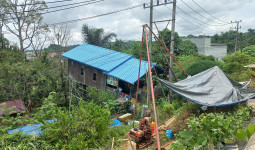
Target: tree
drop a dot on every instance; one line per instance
(38, 42)
(187, 48)
(250, 50)
(96, 36)
(118, 45)
(245, 39)
(23, 19)
(1, 25)
(61, 35)
(166, 36)
(236, 62)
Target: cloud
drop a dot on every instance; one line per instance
(128, 24)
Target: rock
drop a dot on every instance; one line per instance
(251, 102)
(251, 143)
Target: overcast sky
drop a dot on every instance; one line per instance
(128, 24)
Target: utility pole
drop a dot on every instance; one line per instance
(150, 51)
(1, 29)
(172, 48)
(237, 28)
(150, 39)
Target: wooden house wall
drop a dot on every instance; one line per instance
(74, 72)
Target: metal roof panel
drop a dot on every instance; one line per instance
(97, 57)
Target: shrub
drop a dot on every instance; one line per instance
(207, 130)
(99, 96)
(85, 126)
(201, 66)
(168, 108)
(250, 50)
(236, 61)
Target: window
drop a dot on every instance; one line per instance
(71, 62)
(94, 76)
(82, 71)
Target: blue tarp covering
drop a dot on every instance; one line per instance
(34, 129)
(116, 64)
(115, 123)
(211, 88)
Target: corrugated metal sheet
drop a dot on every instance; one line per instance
(97, 57)
(16, 105)
(128, 71)
(119, 65)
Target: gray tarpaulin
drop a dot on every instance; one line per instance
(211, 88)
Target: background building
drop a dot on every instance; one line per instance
(207, 48)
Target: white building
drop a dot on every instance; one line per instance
(207, 48)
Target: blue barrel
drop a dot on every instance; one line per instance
(169, 134)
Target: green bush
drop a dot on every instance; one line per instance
(85, 126)
(187, 61)
(242, 134)
(207, 130)
(31, 80)
(236, 62)
(201, 66)
(168, 108)
(250, 50)
(99, 96)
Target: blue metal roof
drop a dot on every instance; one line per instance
(128, 71)
(98, 57)
(116, 64)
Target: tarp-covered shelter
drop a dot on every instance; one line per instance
(211, 88)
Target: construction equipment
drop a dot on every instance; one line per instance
(142, 136)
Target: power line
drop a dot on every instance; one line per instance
(96, 16)
(210, 30)
(197, 20)
(53, 7)
(37, 3)
(208, 12)
(219, 24)
(182, 18)
(63, 8)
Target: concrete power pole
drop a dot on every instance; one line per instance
(150, 51)
(172, 47)
(158, 3)
(1, 29)
(237, 28)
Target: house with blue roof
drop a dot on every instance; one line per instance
(103, 68)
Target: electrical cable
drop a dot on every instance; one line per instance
(50, 7)
(210, 30)
(219, 24)
(195, 19)
(37, 3)
(100, 15)
(96, 16)
(62, 9)
(208, 12)
(184, 19)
